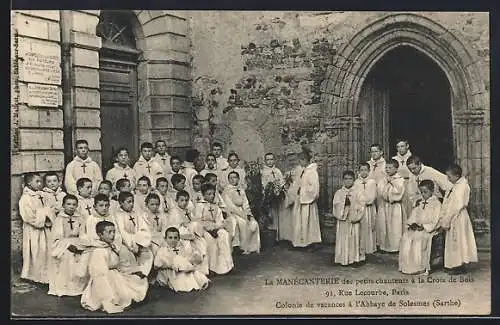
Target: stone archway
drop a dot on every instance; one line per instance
(469, 101)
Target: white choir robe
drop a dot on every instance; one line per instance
(177, 268)
(405, 173)
(166, 202)
(415, 247)
(68, 275)
(113, 206)
(246, 232)
(426, 172)
(136, 237)
(305, 213)
(85, 206)
(366, 189)
(347, 239)
(390, 212)
(91, 234)
(195, 196)
(460, 244)
(190, 232)
(209, 216)
(140, 202)
(221, 163)
(273, 174)
(54, 199)
(285, 226)
(377, 169)
(79, 168)
(118, 172)
(223, 181)
(36, 236)
(109, 289)
(164, 162)
(151, 169)
(207, 170)
(157, 223)
(189, 171)
(173, 196)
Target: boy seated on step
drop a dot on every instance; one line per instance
(142, 189)
(110, 289)
(190, 231)
(106, 188)
(136, 236)
(85, 200)
(54, 194)
(162, 190)
(177, 263)
(156, 219)
(209, 216)
(67, 245)
(246, 231)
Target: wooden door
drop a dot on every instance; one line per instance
(374, 112)
(119, 122)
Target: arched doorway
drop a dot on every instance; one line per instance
(407, 95)
(118, 85)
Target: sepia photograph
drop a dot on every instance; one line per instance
(190, 163)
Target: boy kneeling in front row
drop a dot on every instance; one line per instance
(177, 264)
(109, 289)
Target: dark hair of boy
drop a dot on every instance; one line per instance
(348, 173)
(177, 178)
(454, 169)
(393, 162)
(210, 176)
(427, 183)
(233, 173)
(100, 198)
(233, 154)
(413, 160)
(69, 197)
(175, 157)
(101, 225)
(144, 179)
(49, 174)
(107, 182)
(206, 187)
(81, 141)
(82, 181)
(147, 145)
(28, 177)
(123, 196)
(199, 177)
(378, 146)
(121, 183)
(181, 194)
(210, 154)
(161, 180)
(171, 229)
(364, 164)
(217, 144)
(151, 196)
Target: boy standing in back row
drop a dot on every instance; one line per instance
(146, 165)
(82, 166)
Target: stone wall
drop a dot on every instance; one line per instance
(260, 76)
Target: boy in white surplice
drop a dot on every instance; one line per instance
(366, 189)
(177, 262)
(415, 247)
(346, 210)
(54, 194)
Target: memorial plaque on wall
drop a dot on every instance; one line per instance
(38, 67)
(42, 95)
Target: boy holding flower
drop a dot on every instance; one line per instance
(272, 184)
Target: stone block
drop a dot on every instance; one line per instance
(23, 94)
(93, 137)
(169, 70)
(47, 14)
(85, 58)
(22, 162)
(169, 87)
(51, 118)
(36, 27)
(96, 156)
(26, 45)
(85, 77)
(16, 190)
(165, 24)
(84, 22)
(182, 137)
(49, 161)
(58, 140)
(35, 139)
(81, 39)
(87, 118)
(167, 54)
(28, 117)
(86, 98)
(168, 42)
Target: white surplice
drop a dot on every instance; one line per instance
(305, 212)
(79, 168)
(440, 180)
(389, 225)
(377, 169)
(67, 272)
(223, 181)
(54, 199)
(405, 173)
(347, 239)
(149, 168)
(246, 232)
(85, 206)
(460, 243)
(177, 268)
(209, 216)
(109, 289)
(164, 161)
(366, 190)
(286, 218)
(415, 247)
(36, 236)
(118, 172)
(273, 174)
